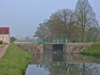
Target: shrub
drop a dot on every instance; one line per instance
(5, 43)
(1, 42)
(73, 41)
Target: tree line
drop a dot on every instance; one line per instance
(78, 25)
(26, 39)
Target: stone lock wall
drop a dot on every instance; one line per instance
(75, 47)
(48, 47)
(67, 48)
(34, 48)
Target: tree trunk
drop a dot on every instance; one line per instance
(69, 36)
(83, 37)
(69, 40)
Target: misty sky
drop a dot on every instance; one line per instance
(23, 16)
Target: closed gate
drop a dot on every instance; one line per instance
(58, 47)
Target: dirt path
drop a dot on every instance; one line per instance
(3, 50)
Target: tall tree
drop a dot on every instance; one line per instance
(62, 23)
(84, 17)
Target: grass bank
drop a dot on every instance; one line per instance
(93, 50)
(15, 61)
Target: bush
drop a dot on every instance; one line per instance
(5, 43)
(73, 41)
(1, 42)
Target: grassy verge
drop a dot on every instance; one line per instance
(93, 50)
(15, 61)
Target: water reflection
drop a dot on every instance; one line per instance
(62, 64)
(38, 59)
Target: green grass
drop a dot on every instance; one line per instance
(15, 61)
(93, 50)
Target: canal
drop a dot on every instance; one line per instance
(63, 64)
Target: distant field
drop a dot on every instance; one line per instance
(54, 42)
(22, 42)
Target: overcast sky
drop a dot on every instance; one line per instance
(23, 16)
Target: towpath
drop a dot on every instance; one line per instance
(3, 49)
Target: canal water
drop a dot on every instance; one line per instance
(63, 64)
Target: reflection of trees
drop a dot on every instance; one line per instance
(71, 69)
(77, 64)
(37, 59)
(78, 69)
(92, 68)
(54, 69)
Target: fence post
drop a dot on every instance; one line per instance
(57, 41)
(37, 41)
(46, 42)
(58, 64)
(40, 40)
(66, 40)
